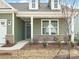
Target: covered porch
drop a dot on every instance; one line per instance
(42, 27)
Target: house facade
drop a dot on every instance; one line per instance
(32, 21)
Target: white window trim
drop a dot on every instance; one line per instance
(50, 22)
(8, 5)
(52, 5)
(49, 29)
(36, 5)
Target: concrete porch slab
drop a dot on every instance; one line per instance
(1, 44)
(17, 46)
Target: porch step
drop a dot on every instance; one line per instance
(17, 46)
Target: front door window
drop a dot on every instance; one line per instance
(28, 30)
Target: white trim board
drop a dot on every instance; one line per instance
(32, 28)
(52, 5)
(13, 26)
(31, 4)
(8, 5)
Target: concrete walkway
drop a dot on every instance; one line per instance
(2, 45)
(17, 46)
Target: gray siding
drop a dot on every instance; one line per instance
(76, 27)
(19, 29)
(37, 27)
(62, 27)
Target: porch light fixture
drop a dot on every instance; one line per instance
(9, 22)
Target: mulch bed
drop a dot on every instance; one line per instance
(5, 53)
(74, 57)
(8, 45)
(39, 46)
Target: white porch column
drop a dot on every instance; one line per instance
(49, 27)
(32, 28)
(13, 21)
(72, 30)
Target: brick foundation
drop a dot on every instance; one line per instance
(49, 37)
(9, 39)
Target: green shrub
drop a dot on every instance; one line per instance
(30, 42)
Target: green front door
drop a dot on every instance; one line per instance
(28, 30)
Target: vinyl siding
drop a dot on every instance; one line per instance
(19, 29)
(62, 27)
(37, 27)
(76, 27)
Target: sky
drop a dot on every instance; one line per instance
(23, 1)
(43, 1)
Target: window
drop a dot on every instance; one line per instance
(49, 27)
(55, 3)
(53, 27)
(45, 27)
(33, 3)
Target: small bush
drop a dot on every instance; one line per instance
(45, 44)
(30, 42)
(72, 44)
(58, 42)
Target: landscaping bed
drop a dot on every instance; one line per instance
(39, 46)
(38, 51)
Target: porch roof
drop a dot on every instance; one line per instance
(39, 14)
(25, 7)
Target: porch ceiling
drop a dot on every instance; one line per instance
(25, 18)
